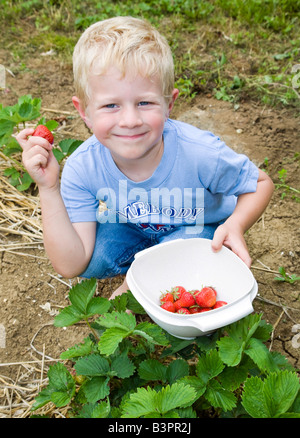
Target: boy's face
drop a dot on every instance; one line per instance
(126, 115)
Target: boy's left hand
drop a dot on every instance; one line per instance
(232, 239)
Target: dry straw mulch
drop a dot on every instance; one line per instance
(20, 217)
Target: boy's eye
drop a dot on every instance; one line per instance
(111, 105)
(144, 103)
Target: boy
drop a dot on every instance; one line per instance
(158, 179)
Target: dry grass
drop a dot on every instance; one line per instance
(17, 395)
(20, 216)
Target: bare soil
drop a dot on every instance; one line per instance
(31, 292)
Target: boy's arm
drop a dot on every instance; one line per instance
(69, 247)
(249, 208)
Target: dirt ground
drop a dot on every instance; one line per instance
(31, 292)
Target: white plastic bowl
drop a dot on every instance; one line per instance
(191, 263)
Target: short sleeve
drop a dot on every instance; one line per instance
(80, 202)
(234, 174)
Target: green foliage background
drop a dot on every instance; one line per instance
(235, 49)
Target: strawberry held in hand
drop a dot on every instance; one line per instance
(43, 131)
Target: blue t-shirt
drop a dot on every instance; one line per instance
(196, 182)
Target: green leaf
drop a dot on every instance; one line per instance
(253, 398)
(42, 398)
(133, 304)
(67, 316)
(51, 124)
(69, 145)
(11, 146)
(261, 356)
(96, 389)
(81, 294)
(176, 370)
(176, 345)
(122, 320)
(219, 397)
(60, 390)
(209, 366)
(59, 155)
(92, 365)
(152, 369)
(174, 396)
(83, 304)
(281, 390)
(122, 366)
(6, 127)
(197, 384)
(26, 182)
(120, 302)
(78, 350)
(149, 402)
(231, 347)
(110, 340)
(230, 351)
(25, 111)
(232, 377)
(140, 403)
(242, 330)
(98, 306)
(152, 332)
(95, 410)
(272, 397)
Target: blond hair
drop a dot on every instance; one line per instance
(130, 44)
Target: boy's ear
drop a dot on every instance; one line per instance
(175, 94)
(81, 110)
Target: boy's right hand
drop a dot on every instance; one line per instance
(38, 159)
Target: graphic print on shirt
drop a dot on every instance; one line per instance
(156, 210)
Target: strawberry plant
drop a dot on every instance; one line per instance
(13, 119)
(131, 369)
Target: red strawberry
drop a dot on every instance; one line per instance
(204, 309)
(177, 292)
(43, 131)
(206, 297)
(194, 309)
(166, 297)
(169, 306)
(184, 311)
(219, 304)
(213, 290)
(186, 300)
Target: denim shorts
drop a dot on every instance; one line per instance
(116, 245)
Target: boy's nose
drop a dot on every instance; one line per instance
(130, 118)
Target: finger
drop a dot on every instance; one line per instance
(35, 150)
(218, 239)
(40, 161)
(22, 137)
(35, 158)
(242, 252)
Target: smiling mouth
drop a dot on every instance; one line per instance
(130, 136)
